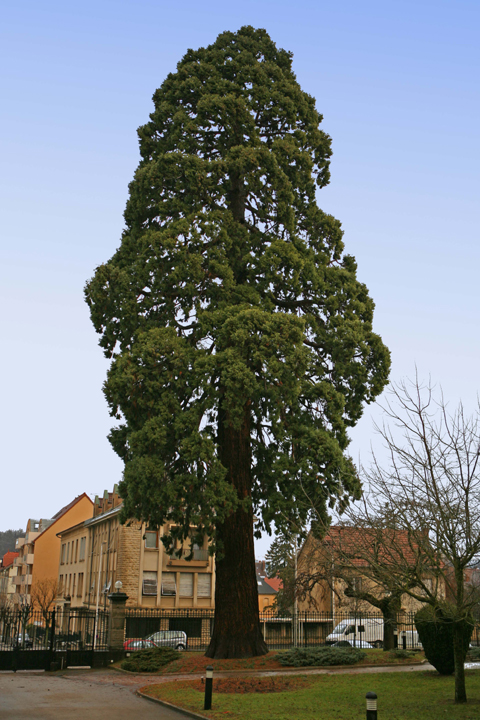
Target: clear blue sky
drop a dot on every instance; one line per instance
(398, 85)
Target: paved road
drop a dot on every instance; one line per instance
(81, 695)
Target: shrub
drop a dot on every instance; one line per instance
(303, 657)
(401, 653)
(149, 659)
(435, 630)
(474, 654)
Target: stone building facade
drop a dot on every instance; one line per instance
(100, 551)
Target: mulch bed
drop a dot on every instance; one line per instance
(239, 685)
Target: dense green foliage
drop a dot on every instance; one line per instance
(7, 540)
(280, 562)
(325, 655)
(149, 659)
(230, 301)
(435, 628)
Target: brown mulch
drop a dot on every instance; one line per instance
(243, 685)
(197, 663)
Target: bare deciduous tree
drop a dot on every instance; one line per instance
(360, 557)
(43, 594)
(429, 492)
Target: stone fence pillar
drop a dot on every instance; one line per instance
(116, 621)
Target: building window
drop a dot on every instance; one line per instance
(199, 552)
(80, 585)
(64, 548)
(149, 583)
(60, 585)
(74, 586)
(76, 550)
(151, 539)
(186, 584)
(204, 585)
(357, 584)
(82, 548)
(169, 586)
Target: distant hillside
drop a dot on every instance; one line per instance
(7, 540)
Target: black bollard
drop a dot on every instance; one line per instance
(371, 706)
(208, 688)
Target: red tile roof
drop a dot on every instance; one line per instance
(388, 544)
(8, 558)
(275, 583)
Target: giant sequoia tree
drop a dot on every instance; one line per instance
(241, 340)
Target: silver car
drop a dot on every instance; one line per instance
(169, 638)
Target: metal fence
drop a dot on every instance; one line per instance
(28, 629)
(32, 639)
(304, 629)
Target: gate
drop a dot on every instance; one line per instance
(33, 640)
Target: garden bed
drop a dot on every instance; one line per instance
(192, 662)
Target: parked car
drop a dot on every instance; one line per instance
(22, 641)
(170, 638)
(353, 643)
(137, 644)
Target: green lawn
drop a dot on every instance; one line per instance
(401, 696)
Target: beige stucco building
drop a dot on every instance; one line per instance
(39, 550)
(100, 551)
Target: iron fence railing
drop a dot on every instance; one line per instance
(303, 629)
(23, 628)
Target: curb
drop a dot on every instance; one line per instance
(168, 705)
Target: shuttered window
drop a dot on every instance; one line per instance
(186, 584)
(169, 586)
(204, 585)
(149, 583)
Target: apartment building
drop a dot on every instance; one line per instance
(98, 552)
(39, 551)
(8, 572)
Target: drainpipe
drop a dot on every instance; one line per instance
(98, 596)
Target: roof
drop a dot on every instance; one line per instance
(275, 583)
(63, 511)
(99, 518)
(8, 558)
(389, 544)
(263, 587)
(70, 529)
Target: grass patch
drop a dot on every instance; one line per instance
(401, 696)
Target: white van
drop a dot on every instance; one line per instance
(357, 629)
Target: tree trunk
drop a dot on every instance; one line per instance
(459, 658)
(389, 627)
(236, 632)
